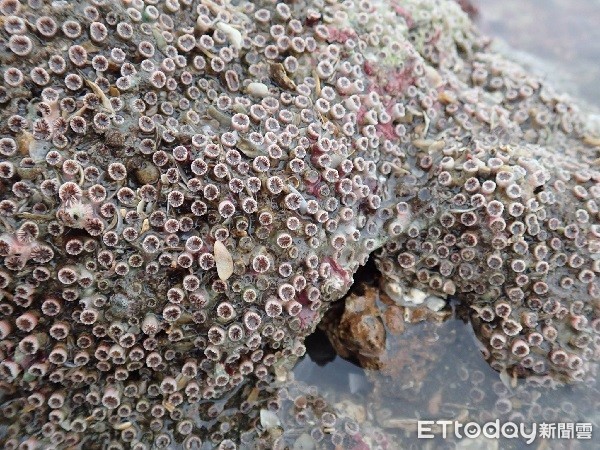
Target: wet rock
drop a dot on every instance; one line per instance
(379, 334)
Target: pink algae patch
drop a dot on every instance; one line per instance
(403, 13)
(313, 189)
(389, 80)
(436, 37)
(308, 317)
(369, 68)
(360, 115)
(399, 80)
(339, 271)
(340, 35)
(387, 130)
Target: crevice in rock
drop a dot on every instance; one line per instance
(318, 346)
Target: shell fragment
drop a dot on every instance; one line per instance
(223, 260)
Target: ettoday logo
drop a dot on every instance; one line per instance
(429, 429)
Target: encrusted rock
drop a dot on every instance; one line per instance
(301, 138)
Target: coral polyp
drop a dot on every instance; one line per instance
(185, 187)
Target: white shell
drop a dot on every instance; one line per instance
(415, 296)
(435, 303)
(223, 260)
(268, 419)
(257, 89)
(233, 35)
(122, 425)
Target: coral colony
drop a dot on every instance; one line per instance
(185, 186)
